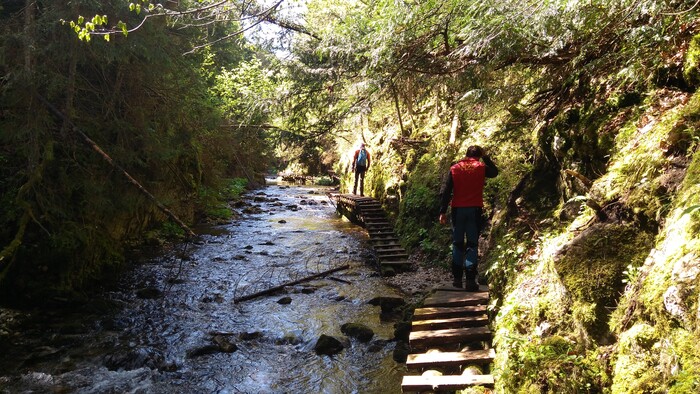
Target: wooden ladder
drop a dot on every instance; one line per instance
(369, 213)
(381, 233)
(450, 343)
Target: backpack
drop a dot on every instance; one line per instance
(362, 158)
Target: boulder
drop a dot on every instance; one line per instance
(388, 304)
(328, 345)
(249, 336)
(224, 344)
(148, 293)
(357, 330)
(285, 300)
(401, 352)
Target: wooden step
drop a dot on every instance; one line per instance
(455, 298)
(450, 359)
(379, 228)
(388, 245)
(390, 249)
(481, 288)
(444, 383)
(449, 322)
(383, 240)
(383, 236)
(444, 313)
(392, 256)
(378, 213)
(395, 263)
(422, 339)
(380, 232)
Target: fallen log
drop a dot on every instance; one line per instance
(295, 282)
(340, 280)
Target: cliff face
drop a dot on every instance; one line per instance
(604, 299)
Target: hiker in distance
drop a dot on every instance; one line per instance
(360, 163)
(464, 186)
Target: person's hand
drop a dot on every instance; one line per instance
(443, 218)
(353, 169)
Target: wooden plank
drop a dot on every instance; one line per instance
(455, 298)
(391, 249)
(444, 383)
(451, 322)
(398, 262)
(421, 339)
(379, 228)
(450, 359)
(384, 240)
(391, 255)
(389, 245)
(379, 234)
(481, 288)
(438, 313)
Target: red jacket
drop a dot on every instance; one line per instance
(465, 183)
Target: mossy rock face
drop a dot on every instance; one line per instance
(691, 68)
(636, 365)
(592, 266)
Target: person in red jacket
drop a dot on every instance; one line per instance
(360, 163)
(464, 186)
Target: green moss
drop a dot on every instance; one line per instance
(553, 365)
(593, 266)
(635, 368)
(691, 68)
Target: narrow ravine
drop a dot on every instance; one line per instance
(172, 327)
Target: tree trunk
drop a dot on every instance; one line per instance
(398, 109)
(454, 128)
(29, 15)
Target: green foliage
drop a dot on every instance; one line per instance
(417, 221)
(504, 260)
(556, 365)
(325, 181)
(214, 202)
(68, 213)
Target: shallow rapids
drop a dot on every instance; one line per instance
(158, 333)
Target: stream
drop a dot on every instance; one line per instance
(170, 324)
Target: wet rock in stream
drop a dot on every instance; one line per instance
(328, 345)
(148, 293)
(389, 305)
(249, 336)
(141, 357)
(285, 301)
(357, 330)
(220, 344)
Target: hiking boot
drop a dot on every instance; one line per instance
(457, 283)
(471, 286)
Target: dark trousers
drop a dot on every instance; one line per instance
(359, 174)
(466, 224)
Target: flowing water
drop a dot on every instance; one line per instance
(165, 328)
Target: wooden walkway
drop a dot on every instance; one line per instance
(450, 343)
(368, 212)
